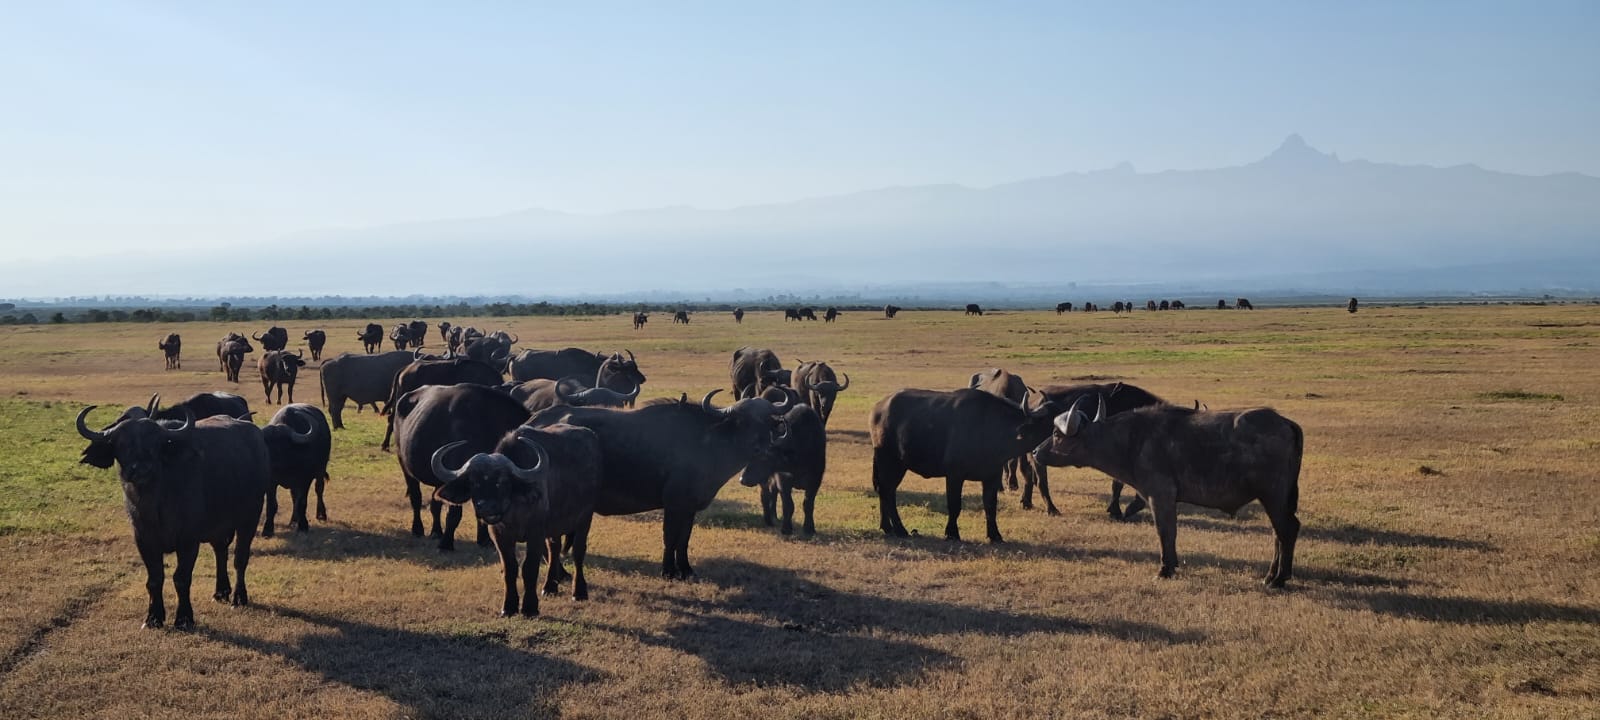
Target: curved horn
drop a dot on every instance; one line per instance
(416, 354)
(300, 353)
(515, 338)
(181, 430)
(1197, 405)
(255, 337)
(83, 429)
(1100, 409)
(977, 379)
(1072, 420)
(529, 474)
(436, 463)
(783, 431)
(299, 438)
(787, 401)
(705, 403)
(630, 355)
(846, 385)
(151, 408)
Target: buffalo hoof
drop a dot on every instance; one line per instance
(787, 530)
(222, 595)
(1052, 512)
(1276, 583)
(561, 575)
(241, 598)
(551, 590)
(580, 595)
(436, 532)
(530, 612)
(446, 546)
(996, 540)
(267, 531)
(1115, 513)
(322, 515)
(508, 612)
(808, 533)
(153, 623)
(1166, 573)
(183, 623)
(1027, 504)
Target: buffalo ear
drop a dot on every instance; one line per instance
(99, 454)
(455, 492)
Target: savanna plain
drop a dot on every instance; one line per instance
(1446, 567)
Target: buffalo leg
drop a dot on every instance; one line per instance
(155, 576)
(414, 494)
(1027, 490)
(336, 411)
(298, 517)
(434, 506)
(266, 387)
(1286, 528)
(241, 561)
(788, 510)
(769, 504)
(557, 572)
(508, 563)
(291, 395)
(483, 531)
(685, 571)
(182, 575)
(1165, 509)
(388, 433)
(1115, 508)
(887, 472)
(1012, 467)
(1042, 474)
(1134, 506)
(952, 505)
(322, 510)
(224, 591)
(807, 504)
(991, 506)
(268, 526)
(580, 550)
(671, 527)
(530, 575)
(452, 520)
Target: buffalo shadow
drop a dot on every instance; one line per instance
(337, 542)
(432, 675)
(1346, 533)
(1465, 611)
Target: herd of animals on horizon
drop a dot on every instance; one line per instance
(540, 441)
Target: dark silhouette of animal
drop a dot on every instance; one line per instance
(973, 309)
(959, 435)
(799, 463)
(279, 369)
(681, 316)
(1150, 305)
(183, 484)
(597, 368)
(639, 319)
(371, 338)
(808, 313)
(232, 353)
(417, 331)
(202, 405)
(316, 340)
(299, 442)
(1117, 307)
(889, 311)
(172, 347)
(1004, 384)
(818, 386)
(1065, 307)
(754, 370)
(1164, 305)
(1222, 304)
(1090, 307)
(791, 314)
(738, 316)
(675, 456)
(1351, 307)
(1222, 460)
(1243, 304)
(830, 315)
(1177, 304)
(536, 487)
(494, 349)
(433, 416)
(453, 343)
(275, 338)
(454, 371)
(232, 343)
(444, 333)
(1120, 398)
(364, 379)
(542, 393)
(400, 336)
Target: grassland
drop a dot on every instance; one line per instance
(1446, 569)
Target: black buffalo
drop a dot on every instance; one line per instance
(799, 462)
(1002, 383)
(973, 309)
(791, 314)
(1352, 307)
(1222, 460)
(1150, 305)
(830, 315)
(1164, 305)
(231, 354)
(202, 405)
(364, 379)
(890, 310)
(681, 316)
(959, 435)
(807, 313)
(1243, 304)
(418, 332)
(172, 347)
(453, 371)
(1117, 307)
(371, 338)
(738, 315)
(607, 370)
(1177, 304)
(494, 349)
(400, 336)
(316, 340)
(183, 484)
(444, 333)
(536, 487)
(675, 456)
(275, 338)
(541, 393)
(818, 386)
(298, 443)
(1120, 398)
(754, 370)
(1065, 307)
(279, 369)
(639, 319)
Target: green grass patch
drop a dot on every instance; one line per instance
(1519, 395)
(43, 488)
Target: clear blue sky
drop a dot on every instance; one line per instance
(124, 123)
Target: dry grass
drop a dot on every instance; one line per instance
(1466, 592)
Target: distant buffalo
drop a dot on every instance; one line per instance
(278, 370)
(316, 340)
(808, 313)
(973, 309)
(365, 379)
(890, 310)
(639, 319)
(172, 347)
(1150, 305)
(1222, 304)
(444, 333)
(1164, 305)
(830, 315)
(1177, 304)
(1243, 304)
(371, 338)
(818, 386)
(1065, 307)
(1351, 307)
(753, 370)
(681, 316)
(275, 338)
(418, 331)
(738, 315)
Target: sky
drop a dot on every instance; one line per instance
(127, 125)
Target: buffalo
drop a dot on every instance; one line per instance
(738, 315)
(298, 444)
(202, 405)
(418, 332)
(1120, 398)
(754, 370)
(889, 311)
(365, 379)
(800, 460)
(371, 338)
(444, 333)
(400, 336)
(639, 319)
(607, 370)
(275, 338)
(1222, 460)
(453, 371)
(1065, 307)
(1001, 383)
(183, 484)
(675, 456)
(434, 416)
(1243, 304)
(172, 346)
(791, 314)
(494, 349)
(959, 435)
(238, 341)
(681, 316)
(973, 309)
(278, 370)
(1117, 307)
(1351, 307)
(316, 340)
(1177, 304)
(818, 386)
(830, 315)
(232, 353)
(1150, 305)
(1222, 304)
(536, 487)
(541, 393)
(1090, 307)
(806, 313)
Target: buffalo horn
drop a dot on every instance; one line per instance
(846, 385)
(529, 474)
(1100, 409)
(705, 403)
(181, 430)
(440, 471)
(83, 429)
(151, 408)
(299, 438)
(630, 355)
(1069, 423)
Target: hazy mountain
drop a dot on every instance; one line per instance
(1293, 217)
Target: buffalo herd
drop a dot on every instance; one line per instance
(538, 441)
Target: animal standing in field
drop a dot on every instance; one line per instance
(799, 462)
(681, 316)
(444, 333)
(222, 344)
(1090, 307)
(607, 370)
(1177, 304)
(830, 315)
(1222, 304)
(1243, 304)
(808, 313)
(1120, 398)
(754, 370)
(818, 386)
(960, 435)
(494, 349)
(791, 314)
(400, 336)
(889, 311)
(639, 319)
(364, 379)
(183, 484)
(371, 338)
(1117, 307)
(541, 393)
(1164, 305)
(674, 457)
(231, 354)
(454, 371)
(172, 347)
(274, 339)
(417, 331)
(202, 405)
(1065, 307)
(278, 370)
(1223, 460)
(1001, 383)
(316, 340)
(299, 443)
(738, 316)
(536, 487)
(973, 309)
(1150, 305)
(1351, 307)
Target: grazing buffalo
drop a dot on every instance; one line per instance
(753, 371)
(1351, 307)
(1065, 307)
(1222, 460)
(316, 340)
(278, 370)
(542, 393)
(434, 416)
(1243, 304)
(681, 316)
(274, 339)
(1120, 398)
(675, 456)
(1177, 304)
(1090, 307)
(973, 309)
(830, 315)
(791, 314)
(232, 353)
(799, 462)
(1001, 383)
(1150, 305)
(606, 370)
(1117, 307)
(639, 319)
(417, 330)
(738, 315)
(444, 333)
(536, 487)
(202, 405)
(1222, 304)
(400, 336)
(183, 484)
(371, 338)
(807, 313)
(818, 386)
(298, 444)
(365, 379)
(454, 371)
(1164, 305)
(222, 345)
(960, 435)
(172, 347)
(890, 310)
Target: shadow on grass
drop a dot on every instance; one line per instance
(1466, 611)
(787, 630)
(432, 675)
(1344, 533)
(334, 543)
